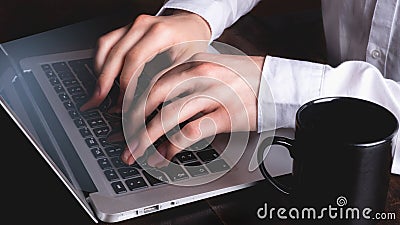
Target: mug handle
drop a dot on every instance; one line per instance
(276, 140)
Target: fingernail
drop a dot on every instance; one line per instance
(89, 104)
(129, 150)
(126, 154)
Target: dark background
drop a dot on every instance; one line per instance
(280, 27)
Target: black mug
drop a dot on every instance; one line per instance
(342, 157)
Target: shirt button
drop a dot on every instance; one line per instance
(376, 54)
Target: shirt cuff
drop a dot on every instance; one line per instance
(286, 84)
(207, 9)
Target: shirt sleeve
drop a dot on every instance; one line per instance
(292, 83)
(219, 14)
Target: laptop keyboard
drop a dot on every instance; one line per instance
(73, 81)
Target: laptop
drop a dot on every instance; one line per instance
(42, 94)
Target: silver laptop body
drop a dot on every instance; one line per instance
(80, 167)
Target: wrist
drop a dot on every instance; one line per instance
(198, 21)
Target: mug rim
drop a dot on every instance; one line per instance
(328, 99)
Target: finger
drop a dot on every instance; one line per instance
(126, 155)
(105, 44)
(103, 86)
(111, 68)
(156, 127)
(154, 42)
(158, 93)
(129, 96)
(191, 133)
(158, 159)
(170, 117)
(165, 122)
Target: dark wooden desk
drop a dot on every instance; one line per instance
(274, 27)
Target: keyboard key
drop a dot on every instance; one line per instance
(70, 82)
(207, 155)
(111, 175)
(142, 161)
(195, 169)
(80, 98)
(117, 162)
(91, 114)
(118, 187)
(136, 183)
(58, 89)
(79, 65)
(104, 163)
(79, 123)
(88, 80)
(98, 122)
(104, 142)
(175, 172)
(143, 164)
(75, 90)
(50, 74)
(101, 131)
(136, 165)
(174, 160)
(46, 67)
(97, 153)
(185, 156)
(69, 105)
(54, 81)
(155, 177)
(217, 166)
(91, 142)
(115, 117)
(66, 75)
(76, 65)
(63, 97)
(48, 71)
(105, 105)
(128, 172)
(113, 151)
(85, 132)
(85, 76)
(60, 67)
(74, 114)
(88, 62)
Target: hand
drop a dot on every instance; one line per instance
(124, 51)
(213, 93)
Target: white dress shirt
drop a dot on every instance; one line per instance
(363, 46)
